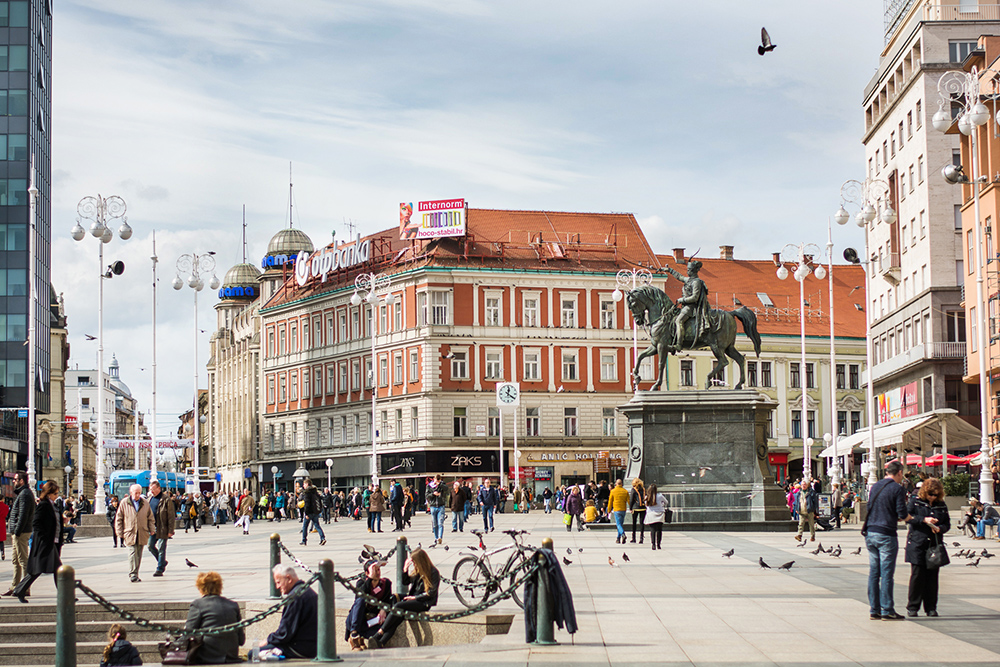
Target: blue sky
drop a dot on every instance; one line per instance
(190, 109)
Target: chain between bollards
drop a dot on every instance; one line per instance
(544, 623)
(275, 560)
(401, 555)
(65, 617)
(326, 638)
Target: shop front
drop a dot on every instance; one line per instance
(414, 468)
(558, 467)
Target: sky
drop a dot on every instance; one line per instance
(191, 110)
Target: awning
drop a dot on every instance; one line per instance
(885, 436)
(920, 433)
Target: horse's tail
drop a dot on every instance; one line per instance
(749, 321)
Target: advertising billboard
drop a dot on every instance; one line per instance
(897, 403)
(431, 219)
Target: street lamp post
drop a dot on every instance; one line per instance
(32, 333)
(376, 288)
(962, 88)
(102, 212)
(866, 196)
(274, 479)
(801, 255)
(69, 471)
(195, 265)
(329, 467)
(630, 279)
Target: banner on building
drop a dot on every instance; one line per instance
(115, 443)
(432, 219)
(897, 403)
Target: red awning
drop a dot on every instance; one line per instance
(777, 459)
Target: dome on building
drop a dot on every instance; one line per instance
(241, 274)
(116, 382)
(289, 242)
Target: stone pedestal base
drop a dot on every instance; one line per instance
(707, 451)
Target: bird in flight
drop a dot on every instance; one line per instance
(625, 557)
(765, 42)
(763, 565)
(729, 553)
(800, 545)
(89, 337)
(786, 566)
(974, 563)
(189, 563)
(703, 470)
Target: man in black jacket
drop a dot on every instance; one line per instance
(19, 527)
(312, 507)
(808, 500)
(886, 508)
(396, 504)
(164, 516)
(297, 631)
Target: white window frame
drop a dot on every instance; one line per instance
(414, 422)
(532, 422)
(460, 422)
(568, 316)
(344, 379)
(493, 308)
(571, 365)
(571, 422)
(609, 365)
(609, 421)
(356, 375)
(532, 369)
(460, 364)
(493, 422)
(440, 307)
(414, 366)
(383, 370)
(494, 363)
(397, 368)
(609, 312)
(531, 314)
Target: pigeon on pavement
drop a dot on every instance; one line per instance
(817, 550)
(856, 551)
(625, 557)
(729, 553)
(567, 561)
(763, 565)
(836, 552)
(611, 561)
(189, 563)
(800, 545)
(955, 544)
(569, 551)
(786, 566)
(975, 563)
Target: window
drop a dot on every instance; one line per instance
(494, 365)
(355, 323)
(367, 314)
(646, 371)
(281, 340)
(920, 169)
(414, 422)
(366, 425)
(439, 308)
(841, 376)
(568, 309)
(343, 379)
(383, 371)
(796, 424)
(607, 313)
(569, 365)
(353, 430)
(920, 118)
(532, 426)
(902, 186)
(383, 428)
(687, 372)
(414, 366)
(294, 386)
(294, 335)
(306, 384)
(530, 313)
(397, 314)
(397, 368)
(399, 424)
(810, 375)
(608, 421)
(609, 366)
(892, 143)
(900, 134)
(909, 124)
(811, 419)
(974, 339)
(342, 325)
(355, 375)
(459, 366)
(330, 338)
(13, 102)
(793, 376)
(493, 317)
(885, 153)
(751, 373)
(16, 148)
(912, 180)
(842, 422)
(971, 248)
(878, 160)
(958, 50)
(570, 423)
(369, 374)
(493, 422)
(460, 423)
(383, 318)
(270, 390)
(855, 421)
(765, 374)
(317, 332)
(532, 365)
(769, 425)
(282, 397)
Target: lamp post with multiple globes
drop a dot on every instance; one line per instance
(630, 279)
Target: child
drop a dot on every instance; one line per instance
(590, 512)
(119, 650)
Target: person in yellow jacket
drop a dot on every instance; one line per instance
(618, 505)
(590, 512)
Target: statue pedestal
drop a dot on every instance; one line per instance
(707, 452)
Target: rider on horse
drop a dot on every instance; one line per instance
(694, 298)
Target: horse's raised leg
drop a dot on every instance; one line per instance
(735, 355)
(648, 352)
(720, 365)
(662, 370)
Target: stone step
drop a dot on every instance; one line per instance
(86, 631)
(88, 653)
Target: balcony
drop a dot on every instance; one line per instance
(914, 355)
(960, 10)
(889, 267)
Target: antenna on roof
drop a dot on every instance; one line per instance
(244, 233)
(289, 195)
(350, 228)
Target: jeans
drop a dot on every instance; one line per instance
(314, 520)
(376, 520)
(981, 526)
(457, 521)
(437, 523)
(158, 547)
(620, 523)
(487, 517)
(548, 506)
(882, 550)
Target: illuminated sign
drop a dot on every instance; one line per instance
(432, 219)
(322, 262)
(272, 261)
(237, 291)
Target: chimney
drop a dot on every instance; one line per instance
(776, 258)
(726, 252)
(679, 255)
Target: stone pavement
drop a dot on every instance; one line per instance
(684, 605)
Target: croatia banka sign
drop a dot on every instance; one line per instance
(322, 262)
(432, 219)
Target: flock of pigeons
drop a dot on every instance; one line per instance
(835, 552)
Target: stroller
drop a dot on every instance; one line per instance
(824, 522)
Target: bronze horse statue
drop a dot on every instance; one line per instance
(654, 310)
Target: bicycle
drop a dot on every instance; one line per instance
(476, 579)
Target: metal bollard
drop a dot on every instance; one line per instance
(326, 638)
(65, 617)
(275, 560)
(544, 625)
(401, 556)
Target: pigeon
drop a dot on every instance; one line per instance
(625, 557)
(974, 563)
(750, 496)
(446, 547)
(817, 551)
(703, 470)
(800, 545)
(786, 566)
(611, 561)
(820, 548)
(580, 550)
(856, 551)
(567, 561)
(984, 552)
(370, 549)
(763, 565)
(729, 553)
(433, 545)
(765, 42)
(189, 563)
(89, 337)
(955, 544)
(472, 548)
(569, 552)
(361, 559)
(836, 552)
(987, 554)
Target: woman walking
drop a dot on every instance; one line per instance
(656, 507)
(929, 521)
(637, 503)
(46, 541)
(574, 507)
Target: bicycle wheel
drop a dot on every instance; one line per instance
(515, 596)
(472, 581)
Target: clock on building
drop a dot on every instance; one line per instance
(508, 395)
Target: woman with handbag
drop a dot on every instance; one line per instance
(657, 507)
(925, 550)
(637, 503)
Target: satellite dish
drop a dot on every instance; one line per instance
(118, 268)
(851, 255)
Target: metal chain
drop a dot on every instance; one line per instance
(180, 632)
(294, 559)
(439, 618)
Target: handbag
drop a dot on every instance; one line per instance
(668, 515)
(568, 519)
(937, 555)
(269, 515)
(179, 651)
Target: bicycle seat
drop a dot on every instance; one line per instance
(513, 533)
(476, 532)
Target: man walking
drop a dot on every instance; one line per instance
(134, 524)
(488, 499)
(886, 508)
(396, 505)
(808, 501)
(19, 527)
(312, 506)
(244, 511)
(457, 508)
(618, 505)
(162, 508)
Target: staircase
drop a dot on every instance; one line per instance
(93, 525)
(28, 632)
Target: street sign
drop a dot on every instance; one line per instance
(22, 413)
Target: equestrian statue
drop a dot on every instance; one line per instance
(689, 325)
